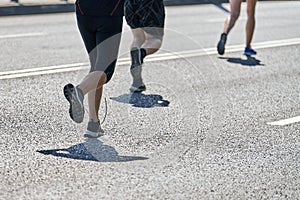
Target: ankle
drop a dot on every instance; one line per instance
(80, 90)
(94, 120)
(143, 53)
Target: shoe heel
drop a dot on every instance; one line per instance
(68, 90)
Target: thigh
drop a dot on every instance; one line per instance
(88, 37)
(138, 33)
(108, 38)
(86, 31)
(251, 6)
(235, 6)
(154, 32)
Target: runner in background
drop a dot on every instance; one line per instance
(146, 19)
(235, 7)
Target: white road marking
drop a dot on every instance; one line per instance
(217, 20)
(155, 57)
(42, 69)
(22, 35)
(35, 73)
(286, 121)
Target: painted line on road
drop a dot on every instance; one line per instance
(11, 76)
(22, 35)
(286, 121)
(217, 20)
(42, 69)
(155, 57)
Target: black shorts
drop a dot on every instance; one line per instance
(146, 14)
(101, 36)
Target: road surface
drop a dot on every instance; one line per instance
(208, 126)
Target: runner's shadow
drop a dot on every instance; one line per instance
(91, 150)
(250, 61)
(142, 100)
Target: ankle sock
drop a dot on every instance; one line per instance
(143, 53)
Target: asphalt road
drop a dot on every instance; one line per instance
(201, 130)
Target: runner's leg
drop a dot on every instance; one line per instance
(235, 7)
(250, 21)
(152, 43)
(138, 37)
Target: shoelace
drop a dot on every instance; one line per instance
(105, 111)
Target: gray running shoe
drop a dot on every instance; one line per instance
(221, 44)
(136, 71)
(94, 130)
(75, 97)
(137, 88)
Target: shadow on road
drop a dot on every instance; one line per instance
(91, 150)
(250, 61)
(218, 4)
(142, 100)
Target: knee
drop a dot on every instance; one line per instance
(139, 38)
(251, 15)
(103, 79)
(99, 75)
(156, 40)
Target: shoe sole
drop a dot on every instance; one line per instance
(221, 48)
(249, 54)
(136, 90)
(76, 109)
(90, 134)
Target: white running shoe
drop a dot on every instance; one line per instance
(75, 97)
(94, 130)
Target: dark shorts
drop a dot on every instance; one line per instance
(146, 14)
(101, 36)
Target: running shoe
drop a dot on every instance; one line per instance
(137, 89)
(94, 130)
(138, 84)
(249, 51)
(75, 97)
(136, 71)
(221, 44)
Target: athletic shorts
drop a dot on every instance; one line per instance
(146, 14)
(101, 37)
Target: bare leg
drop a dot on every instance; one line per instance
(235, 7)
(146, 44)
(93, 85)
(142, 39)
(94, 99)
(250, 21)
(92, 81)
(138, 37)
(152, 43)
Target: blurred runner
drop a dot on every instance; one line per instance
(146, 19)
(235, 7)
